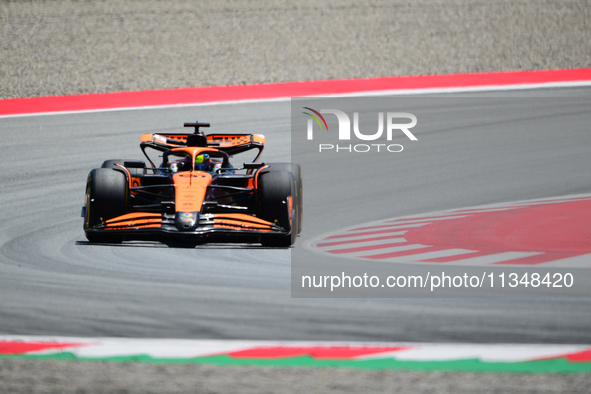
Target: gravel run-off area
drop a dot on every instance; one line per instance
(34, 376)
(60, 47)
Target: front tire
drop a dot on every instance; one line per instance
(296, 172)
(106, 198)
(274, 190)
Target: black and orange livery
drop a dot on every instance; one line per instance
(256, 202)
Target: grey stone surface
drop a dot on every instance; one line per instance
(110, 377)
(65, 47)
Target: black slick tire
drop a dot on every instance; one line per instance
(106, 198)
(296, 172)
(274, 189)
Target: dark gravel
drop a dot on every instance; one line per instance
(61, 47)
(110, 377)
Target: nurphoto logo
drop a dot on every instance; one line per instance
(345, 130)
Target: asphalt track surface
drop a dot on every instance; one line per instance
(54, 283)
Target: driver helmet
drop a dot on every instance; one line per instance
(202, 162)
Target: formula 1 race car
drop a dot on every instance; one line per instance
(195, 194)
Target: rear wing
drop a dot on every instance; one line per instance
(230, 143)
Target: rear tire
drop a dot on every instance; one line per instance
(274, 188)
(106, 198)
(296, 171)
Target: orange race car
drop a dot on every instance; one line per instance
(194, 194)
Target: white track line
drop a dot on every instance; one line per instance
(350, 234)
(369, 253)
(483, 352)
(363, 244)
(494, 258)
(418, 258)
(421, 220)
(583, 261)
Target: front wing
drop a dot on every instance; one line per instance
(221, 227)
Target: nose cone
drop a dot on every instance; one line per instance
(186, 221)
